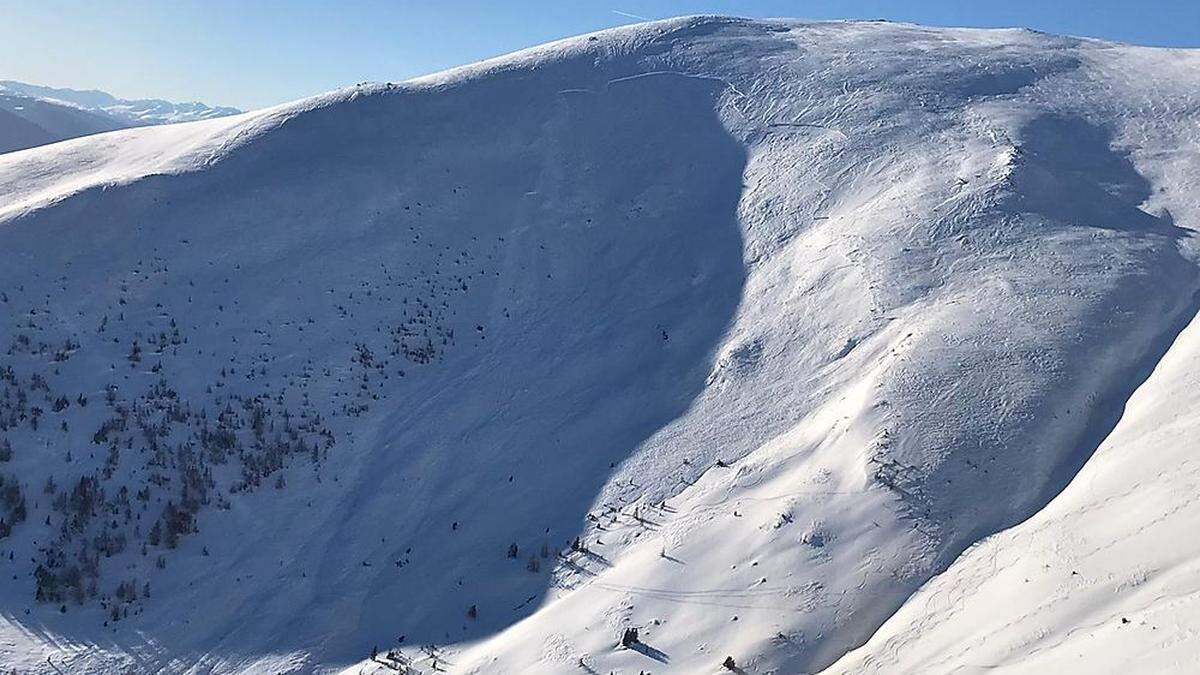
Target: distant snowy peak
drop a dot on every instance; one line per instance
(157, 111)
(28, 122)
(129, 113)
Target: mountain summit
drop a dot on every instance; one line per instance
(703, 345)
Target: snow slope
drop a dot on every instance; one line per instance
(1104, 579)
(849, 297)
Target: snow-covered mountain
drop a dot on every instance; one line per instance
(27, 122)
(32, 115)
(797, 347)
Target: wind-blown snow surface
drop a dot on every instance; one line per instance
(848, 296)
(1104, 579)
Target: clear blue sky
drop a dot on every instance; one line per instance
(252, 53)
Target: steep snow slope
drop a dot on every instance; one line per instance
(987, 377)
(1102, 580)
(28, 122)
(849, 297)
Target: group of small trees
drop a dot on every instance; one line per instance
(12, 504)
(178, 450)
(156, 454)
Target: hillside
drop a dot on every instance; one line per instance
(1099, 580)
(739, 333)
(32, 115)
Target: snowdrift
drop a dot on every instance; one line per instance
(734, 332)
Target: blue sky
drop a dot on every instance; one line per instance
(252, 53)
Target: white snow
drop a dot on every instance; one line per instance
(1104, 579)
(850, 297)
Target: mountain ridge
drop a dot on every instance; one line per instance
(777, 318)
(132, 112)
(37, 115)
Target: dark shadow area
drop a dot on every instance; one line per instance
(650, 652)
(600, 235)
(1068, 172)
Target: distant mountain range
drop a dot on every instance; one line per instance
(32, 115)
